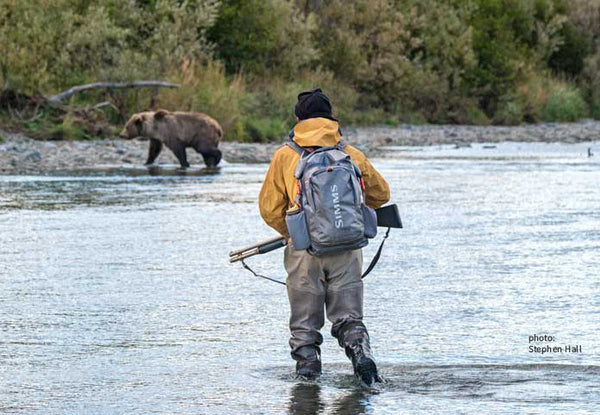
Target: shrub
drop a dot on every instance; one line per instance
(565, 103)
(569, 58)
(529, 99)
(263, 37)
(206, 88)
(509, 37)
(264, 129)
(49, 45)
(541, 97)
(510, 112)
(368, 45)
(589, 82)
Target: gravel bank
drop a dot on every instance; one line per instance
(22, 155)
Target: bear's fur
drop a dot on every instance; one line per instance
(177, 130)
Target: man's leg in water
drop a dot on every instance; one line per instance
(344, 304)
(306, 294)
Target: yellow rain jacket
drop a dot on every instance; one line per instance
(280, 186)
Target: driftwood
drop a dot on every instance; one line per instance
(58, 98)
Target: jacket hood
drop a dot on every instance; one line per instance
(321, 132)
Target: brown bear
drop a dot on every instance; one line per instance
(177, 130)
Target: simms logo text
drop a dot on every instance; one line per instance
(337, 212)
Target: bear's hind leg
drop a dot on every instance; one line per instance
(155, 149)
(178, 148)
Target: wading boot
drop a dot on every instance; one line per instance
(354, 338)
(365, 369)
(308, 362)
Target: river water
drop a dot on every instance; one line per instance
(116, 296)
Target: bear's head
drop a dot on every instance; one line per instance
(212, 158)
(134, 127)
(140, 124)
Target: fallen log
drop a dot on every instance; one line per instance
(59, 98)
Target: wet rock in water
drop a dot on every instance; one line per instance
(14, 148)
(461, 144)
(32, 157)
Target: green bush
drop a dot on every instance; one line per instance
(565, 103)
(262, 37)
(261, 130)
(540, 97)
(49, 45)
(590, 83)
(510, 112)
(595, 108)
(569, 58)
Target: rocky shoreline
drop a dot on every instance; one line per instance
(22, 155)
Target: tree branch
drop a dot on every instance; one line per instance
(58, 98)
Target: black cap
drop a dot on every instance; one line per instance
(313, 104)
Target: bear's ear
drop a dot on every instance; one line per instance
(138, 120)
(160, 114)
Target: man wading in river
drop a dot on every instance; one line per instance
(323, 200)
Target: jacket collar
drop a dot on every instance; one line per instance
(318, 132)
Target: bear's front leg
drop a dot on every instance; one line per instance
(178, 148)
(155, 149)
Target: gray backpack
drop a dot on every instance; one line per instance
(330, 215)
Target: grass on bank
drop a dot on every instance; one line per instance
(261, 110)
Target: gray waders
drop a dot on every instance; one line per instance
(330, 284)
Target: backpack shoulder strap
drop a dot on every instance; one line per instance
(301, 152)
(292, 144)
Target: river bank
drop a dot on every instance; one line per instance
(22, 155)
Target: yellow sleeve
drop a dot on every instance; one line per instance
(377, 190)
(273, 200)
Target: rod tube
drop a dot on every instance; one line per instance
(243, 255)
(265, 242)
